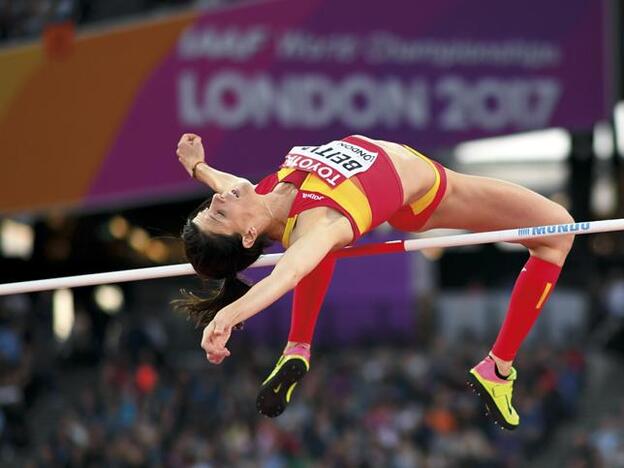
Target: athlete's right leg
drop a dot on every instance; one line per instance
(276, 390)
(483, 204)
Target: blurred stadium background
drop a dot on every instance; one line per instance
(94, 95)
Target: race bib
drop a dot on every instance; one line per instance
(333, 162)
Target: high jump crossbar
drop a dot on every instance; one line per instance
(410, 245)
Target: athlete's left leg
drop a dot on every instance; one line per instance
(276, 391)
(483, 204)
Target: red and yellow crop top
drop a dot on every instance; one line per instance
(352, 175)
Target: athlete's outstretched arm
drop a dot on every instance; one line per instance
(299, 260)
(191, 155)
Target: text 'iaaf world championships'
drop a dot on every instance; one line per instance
(378, 47)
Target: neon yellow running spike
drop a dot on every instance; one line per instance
(276, 390)
(495, 392)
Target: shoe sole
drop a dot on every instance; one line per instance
(490, 407)
(271, 399)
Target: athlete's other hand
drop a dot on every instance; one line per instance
(190, 151)
(216, 335)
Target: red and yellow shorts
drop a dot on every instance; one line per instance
(414, 216)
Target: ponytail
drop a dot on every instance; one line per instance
(202, 310)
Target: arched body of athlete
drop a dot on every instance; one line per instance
(315, 206)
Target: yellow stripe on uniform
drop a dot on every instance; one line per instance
(290, 224)
(544, 295)
(284, 172)
(423, 202)
(347, 195)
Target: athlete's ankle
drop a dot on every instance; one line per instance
(292, 344)
(293, 347)
(501, 367)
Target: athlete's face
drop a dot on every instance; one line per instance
(230, 212)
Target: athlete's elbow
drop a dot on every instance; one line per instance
(288, 279)
(295, 278)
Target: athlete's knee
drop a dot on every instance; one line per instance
(564, 243)
(555, 249)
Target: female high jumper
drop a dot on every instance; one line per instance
(323, 198)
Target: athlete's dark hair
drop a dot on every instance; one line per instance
(217, 259)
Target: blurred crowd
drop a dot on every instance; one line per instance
(135, 390)
(605, 441)
(602, 445)
(139, 405)
(17, 377)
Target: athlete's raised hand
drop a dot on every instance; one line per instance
(190, 151)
